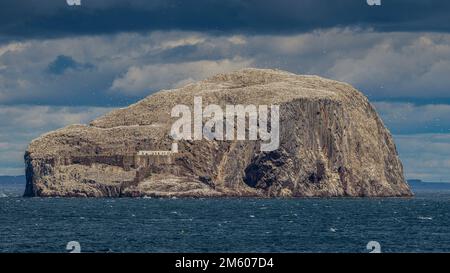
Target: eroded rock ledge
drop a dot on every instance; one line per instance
(332, 143)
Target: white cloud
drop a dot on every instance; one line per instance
(35, 117)
(190, 40)
(139, 80)
(12, 47)
(398, 65)
(425, 156)
(384, 65)
(406, 118)
(237, 40)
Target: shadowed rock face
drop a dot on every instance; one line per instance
(332, 143)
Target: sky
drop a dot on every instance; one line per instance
(62, 64)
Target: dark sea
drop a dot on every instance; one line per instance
(419, 224)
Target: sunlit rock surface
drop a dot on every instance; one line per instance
(332, 143)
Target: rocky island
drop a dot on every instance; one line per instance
(331, 143)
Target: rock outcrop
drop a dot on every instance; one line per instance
(332, 143)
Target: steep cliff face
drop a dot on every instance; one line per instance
(332, 143)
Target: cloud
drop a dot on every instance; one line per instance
(422, 137)
(399, 67)
(385, 66)
(21, 124)
(186, 41)
(408, 118)
(50, 18)
(139, 80)
(425, 156)
(12, 47)
(40, 117)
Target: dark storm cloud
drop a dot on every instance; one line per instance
(21, 19)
